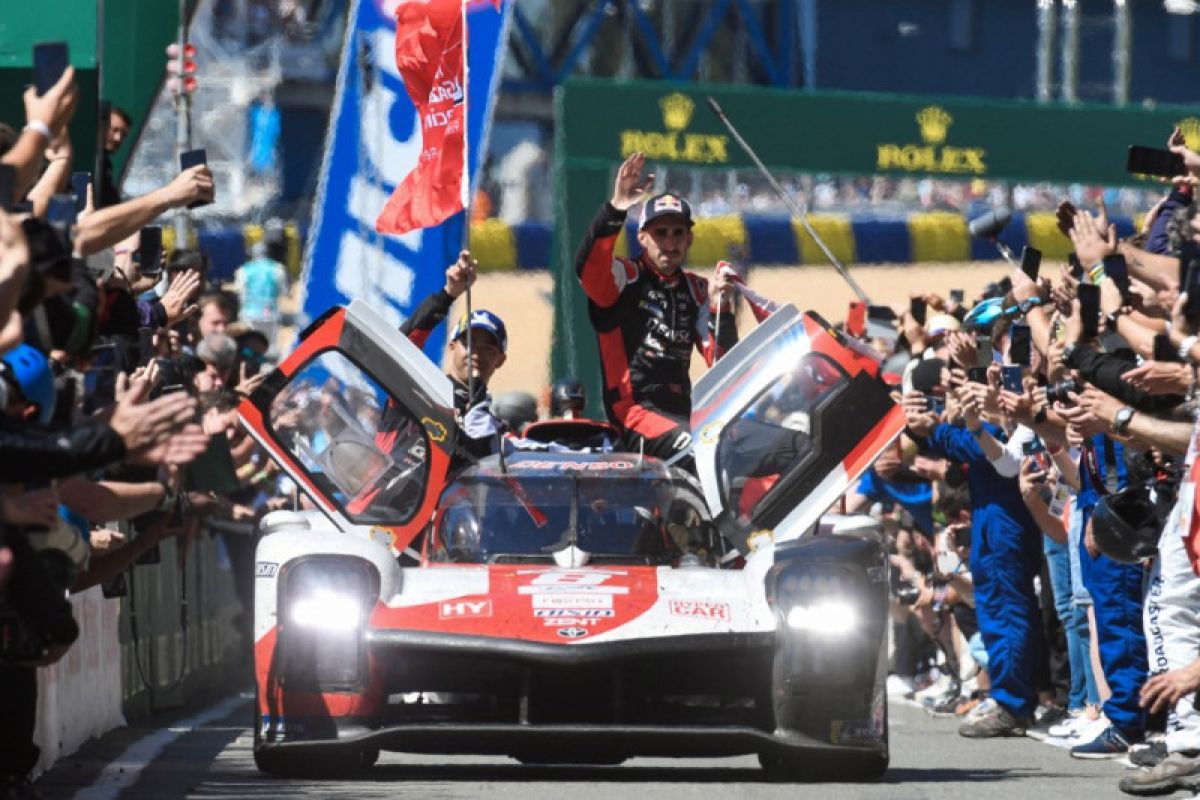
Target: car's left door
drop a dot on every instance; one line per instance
(362, 421)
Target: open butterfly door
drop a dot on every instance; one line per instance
(785, 423)
(362, 421)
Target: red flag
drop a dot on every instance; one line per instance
(430, 58)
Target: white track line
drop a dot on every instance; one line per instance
(124, 770)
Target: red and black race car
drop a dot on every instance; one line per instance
(571, 607)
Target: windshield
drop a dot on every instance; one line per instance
(774, 434)
(506, 519)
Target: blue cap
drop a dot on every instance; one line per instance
(486, 321)
(28, 369)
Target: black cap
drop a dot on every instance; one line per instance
(665, 204)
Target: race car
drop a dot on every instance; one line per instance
(571, 606)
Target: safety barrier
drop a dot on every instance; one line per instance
(98, 683)
(764, 239)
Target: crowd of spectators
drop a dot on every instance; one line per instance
(1040, 504)
(120, 372)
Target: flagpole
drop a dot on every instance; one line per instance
(465, 183)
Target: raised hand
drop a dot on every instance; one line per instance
(630, 186)
(461, 274)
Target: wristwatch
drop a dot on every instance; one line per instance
(1122, 419)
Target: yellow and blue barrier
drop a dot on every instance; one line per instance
(756, 239)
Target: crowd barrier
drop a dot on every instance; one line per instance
(756, 239)
(99, 684)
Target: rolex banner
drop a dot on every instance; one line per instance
(862, 134)
(374, 141)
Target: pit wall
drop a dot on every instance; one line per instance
(97, 685)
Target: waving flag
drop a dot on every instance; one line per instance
(431, 59)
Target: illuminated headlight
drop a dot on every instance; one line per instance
(326, 611)
(826, 617)
(325, 603)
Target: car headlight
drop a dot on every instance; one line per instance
(825, 617)
(327, 611)
(325, 602)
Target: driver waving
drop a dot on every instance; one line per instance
(649, 313)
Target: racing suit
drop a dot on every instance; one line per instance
(1006, 555)
(646, 325)
(1116, 591)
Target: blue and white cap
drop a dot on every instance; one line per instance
(665, 204)
(483, 320)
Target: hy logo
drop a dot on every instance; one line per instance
(677, 111)
(935, 123)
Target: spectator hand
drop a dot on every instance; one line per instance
(461, 275)
(190, 186)
(56, 107)
(177, 300)
(1178, 145)
(629, 186)
(1161, 377)
(1081, 422)
(146, 426)
(1161, 692)
(103, 540)
(920, 421)
(37, 508)
(1032, 477)
(962, 348)
(1093, 237)
(1065, 217)
(1102, 406)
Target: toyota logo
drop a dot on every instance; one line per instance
(572, 633)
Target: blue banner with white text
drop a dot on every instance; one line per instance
(373, 141)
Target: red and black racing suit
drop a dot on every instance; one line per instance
(646, 325)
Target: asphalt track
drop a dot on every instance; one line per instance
(208, 755)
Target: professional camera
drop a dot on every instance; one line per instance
(1061, 391)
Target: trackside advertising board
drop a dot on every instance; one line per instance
(373, 141)
(863, 133)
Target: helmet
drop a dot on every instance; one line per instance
(460, 533)
(1125, 525)
(28, 369)
(567, 395)
(516, 409)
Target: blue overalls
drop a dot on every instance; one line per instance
(1117, 593)
(1006, 554)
